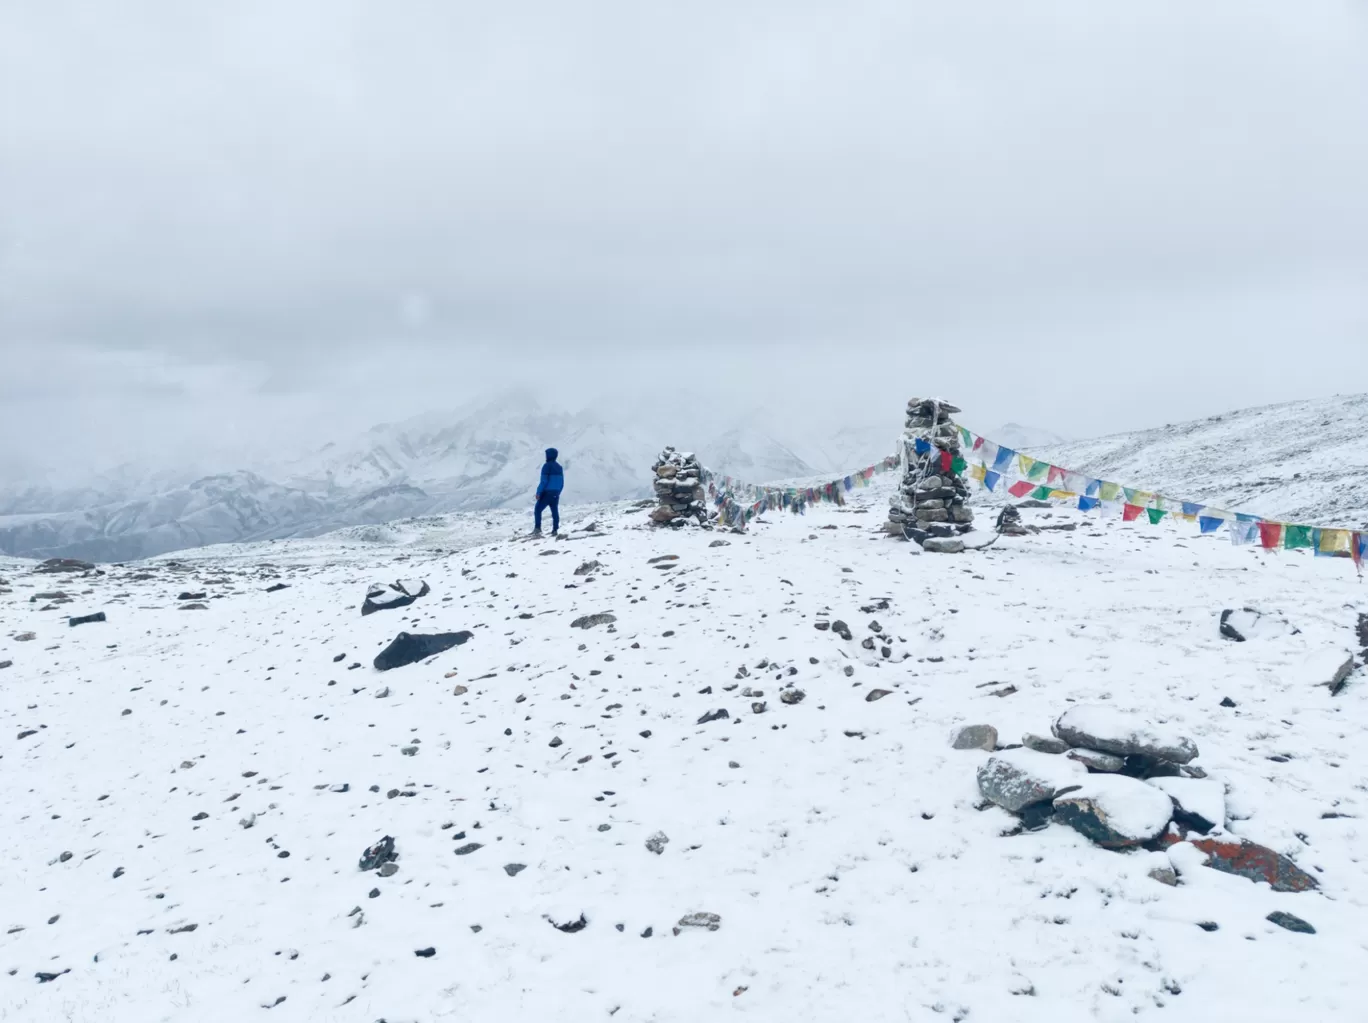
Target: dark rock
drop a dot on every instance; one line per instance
(396, 594)
(1209, 925)
(975, 737)
(708, 921)
(1016, 779)
(1341, 675)
(573, 926)
(1111, 731)
(589, 621)
(943, 545)
(380, 853)
(53, 565)
(196, 606)
(1197, 805)
(713, 715)
(1044, 743)
(556, 741)
(1036, 816)
(277, 587)
(187, 595)
(657, 842)
(514, 869)
(1095, 760)
(716, 543)
(388, 869)
(1227, 702)
(587, 567)
(877, 694)
(98, 616)
(1114, 811)
(6, 664)
(841, 629)
(792, 696)
(1249, 860)
(468, 848)
(821, 626)
(45, 978)
(425, 953)
(408, 647)
(648, 932)
(1290, 922)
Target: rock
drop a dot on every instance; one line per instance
(1234, 624)
(1165, 875)
(468, 848)
(711, 921)
(587, 567)
(720, 543)
(943, 545)
(1226, 701)
(459, 691)
(425, 953)
(792, 696)
(1199, 805)
(713, 715)
(841, 629)
(975, 737)
(389, 869)
(187, 595)
(393, 595)
(53, 565)
(409, 647)
(1092, 726)
(1290, 922)
(1249, 860)
(1018, 778)
(555, 741)
(514, 869)
(98, 616)
(6, 664)
(25, 637)
(572, 926)
(657, 842)
(1114, 811)
(1044, 743)
(757, 707)
(277, 587)
(196, 606)
(589, 621)
(1341, 675)
(877, 694)
(64, 857)
(1097, 761)
(380, 853)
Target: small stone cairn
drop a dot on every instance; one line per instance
(679, 489)
(929, 506)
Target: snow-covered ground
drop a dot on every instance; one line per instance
(855, 868)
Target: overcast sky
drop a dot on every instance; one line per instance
(230, 226)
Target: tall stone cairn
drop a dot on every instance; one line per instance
(929, 506)
(679, 489)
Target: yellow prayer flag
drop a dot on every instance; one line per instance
(1334, 541)
(977, 472)
(1062, 494)
(1026, 462)
(1109, 491)
(1143, 498)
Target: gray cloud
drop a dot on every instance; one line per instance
(270, 222)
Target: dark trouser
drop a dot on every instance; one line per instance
(549, 499)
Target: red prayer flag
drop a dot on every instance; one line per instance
(978, 443)
(1356, 550)
(1270, 534)
(1056, 473)
(1020, 488)
(945, 461)
(1131, 512)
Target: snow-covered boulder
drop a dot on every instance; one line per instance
(1112, 731)
(1115, 811)
(1018, 778)
(1199, 802)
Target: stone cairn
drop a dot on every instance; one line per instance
(929, 506)
(679, 489)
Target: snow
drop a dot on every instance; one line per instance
(847, 855)
(1120, 729)
(1202, 796)
(1132, 808)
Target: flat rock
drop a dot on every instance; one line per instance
(53, 565)
(1249, 860)
(1092, 726)
(943, 545)
(877, 694)
(1018, 778)
(1199, 804)
(1290, 922)
(587, 567)
(410, 647)
(1044, 743)
(1096, 760)
(589, 621)
(708, 921)
(975, 737)
(394, 595)
(98, 616)
(1114, 811)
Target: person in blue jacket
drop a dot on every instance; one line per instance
(549, 489)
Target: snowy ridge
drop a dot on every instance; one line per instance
(191, 790)
(1301, 461)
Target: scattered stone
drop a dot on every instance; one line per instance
(587, 567)
(573, 926)
(1165, 875)
(1227, 702)
(426, 953)
(1209, 925)
(877, 694)
(459, 691)
(53, 565)
(1341, 675)
(719, 543)
(1249, 860)
(1044, 743)
(98, 616)
(6, 664)
(408, 648)
(589, 621)
(1290, 922)
(385, 597)
(468, 848)
(1198, 805)
(943, 545)
(277, 587)
(713, 715)
(657, 842)
(711, 921)
(389, 869)
(1114, 811)
(1018, 778)
(605, 827)
(758, 707)
(1095, 760)
(556, 741)
(1101, 728)
(380, 853)
(187, 595)
(975, 737)
(514, 869)
(841, 629)
(792, 696)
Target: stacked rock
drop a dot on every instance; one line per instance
(679, 489)
(929, 505)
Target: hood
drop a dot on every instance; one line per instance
(551, 454)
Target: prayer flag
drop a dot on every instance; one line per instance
(965, 436)
(1333, 541)
(946, 461)
(1297, 536)
(1109, 491)
(990, 478)
(1056, 475)
(1190, 509)
(1088, 503)
(978, 472)
(1131, 512)
(921, 445)
(978, 443)
(1093, 487)
(1026, 464)
(1358, 547)
(1270, 534)
(1210, 523)
(1041, 493)
(1004, 459)
(1155, 514)
(1243, 532)
(1130, 495)
(1241, 516)
(957, 465)
(1038, 470)
(1020, 488)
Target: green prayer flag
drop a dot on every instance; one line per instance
(1296, 536)
(1041, 493)
(1155, 514)
(1038, 470)
(1130, 494)
(958, 465)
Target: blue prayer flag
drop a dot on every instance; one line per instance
(1088, 503)
(1003, 459)
(1093, 487)
(990, 479)
(1210, 523)
(1191, 509)
(921, 446)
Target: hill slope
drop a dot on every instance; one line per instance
(216, 774)
(1302, 461)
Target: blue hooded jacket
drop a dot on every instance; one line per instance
(552, 475)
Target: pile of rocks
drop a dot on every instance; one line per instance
(1123, 785)
(929, 506)
(679, 489)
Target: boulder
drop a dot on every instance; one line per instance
(1018, 778)
(943, 545)
(1095, 727)
(975, 737)
(1198, 804)
(380, 853)
(1044, 743)
(1114, 811)
(1095, 760)
(409, 647)
(53, 565)
(589, 621)
(396, 594)
(1341, 674)
(1290, 922)
(1246, 623)
(588, 567)
(98, 616)
(1249, 860)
